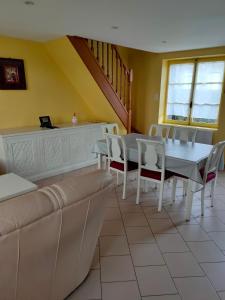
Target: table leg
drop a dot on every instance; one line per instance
(99, 160)
(189, 199)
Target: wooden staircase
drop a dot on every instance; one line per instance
(110, 73)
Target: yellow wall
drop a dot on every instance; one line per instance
(68, 60)
(49, 92)
(147, 82)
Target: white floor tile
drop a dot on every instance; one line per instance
(120, 291)
(135, 219)
(162, 226)
(182, 265)
(146, 255)
(139, 235)
(113, 245)
(216, 274)
(155, 281)
(112, 228)
(171, 243)
(219, 239)
(206, 251)
(193, 233)
(195, 288)
(117, 268)
(165, 297)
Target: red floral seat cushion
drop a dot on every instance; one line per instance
(210, 175)
(155, 175)
(120, 166)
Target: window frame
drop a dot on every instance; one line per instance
(194, 60)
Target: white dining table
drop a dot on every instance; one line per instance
(183, 158)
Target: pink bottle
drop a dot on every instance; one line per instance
(74, 119)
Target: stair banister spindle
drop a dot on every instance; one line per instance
(116, 72)
(107, 60)
(121, 66)
(124, 86)
(130, 80)
(97, 50)
(103, 66)
(112, 64)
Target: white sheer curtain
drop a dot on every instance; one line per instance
(179, 90)
(207, 89)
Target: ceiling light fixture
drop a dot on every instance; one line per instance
(28, 2)
(164, 42)
(115, 27)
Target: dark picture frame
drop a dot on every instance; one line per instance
(12, 74)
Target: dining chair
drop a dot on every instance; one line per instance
(184, 134)
(210, 171)
(159, 130)
(117, 158)
(112, 128)
(151, 166)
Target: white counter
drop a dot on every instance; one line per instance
(36, 153)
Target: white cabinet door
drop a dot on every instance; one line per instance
(77, 140)
(22, 155)
(94, 134)
(51, 148)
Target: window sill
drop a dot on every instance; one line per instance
(189, 126)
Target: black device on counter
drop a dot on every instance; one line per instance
(46, 122)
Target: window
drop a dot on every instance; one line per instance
(194, 91)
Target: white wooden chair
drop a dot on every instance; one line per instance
(159, 130)
(209, 173)
(151, 166)
(117, 158)
(184, 134)
(112, 128)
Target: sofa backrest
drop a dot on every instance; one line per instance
(48, 237)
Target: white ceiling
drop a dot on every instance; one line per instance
(143, 24)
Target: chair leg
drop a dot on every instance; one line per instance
(160, 197)
(202, 201)
(117, 178)
(174, 189)
(212, 192)
(138, 190)
(145, 186)
(124, 185)
(188, 201)
(184, 188)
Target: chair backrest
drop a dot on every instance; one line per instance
(151, 155)
(184, 134)
(110, 128)
(159, 130)
(213, 160)
(116, 148)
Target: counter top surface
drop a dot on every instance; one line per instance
(37, 129)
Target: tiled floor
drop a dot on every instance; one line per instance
(145, 255)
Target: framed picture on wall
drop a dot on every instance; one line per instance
(12, 74)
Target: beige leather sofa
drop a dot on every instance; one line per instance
(48, 237)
